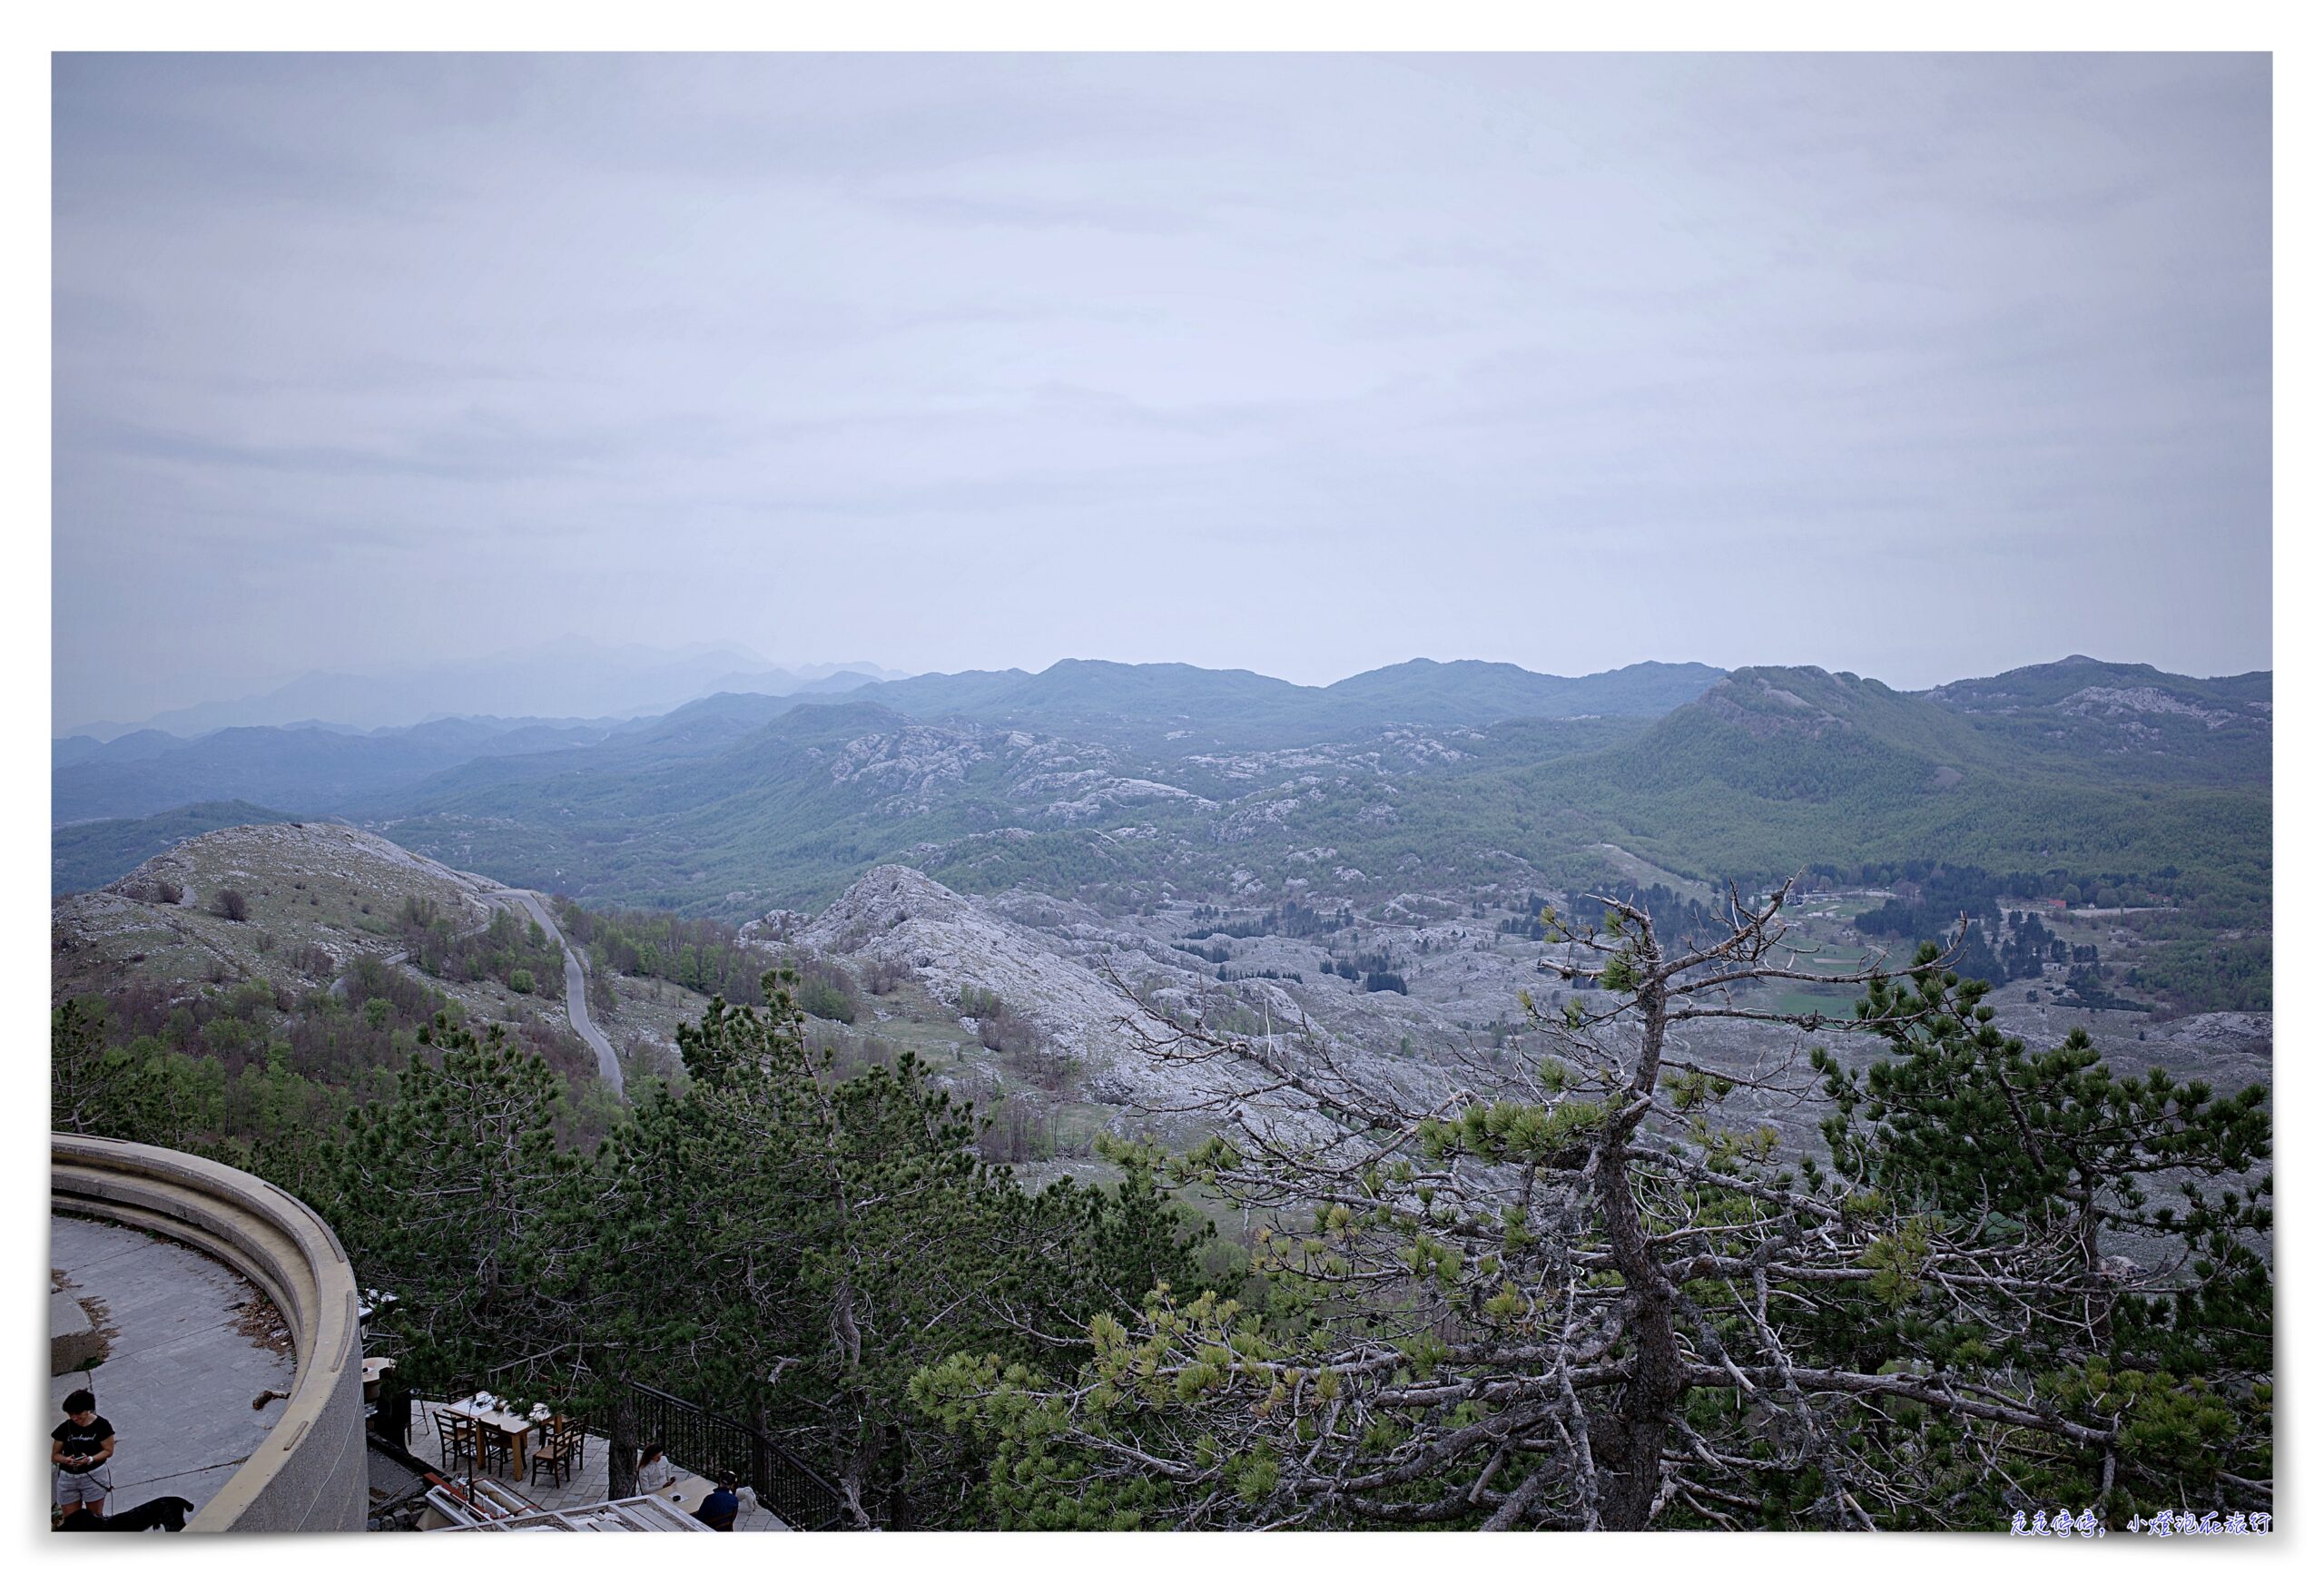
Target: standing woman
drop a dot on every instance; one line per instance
(79, 1448)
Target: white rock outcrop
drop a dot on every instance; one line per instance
(950, 942)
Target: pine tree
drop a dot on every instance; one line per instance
(453, 1195)
(1574, 1289)
(792, 1248)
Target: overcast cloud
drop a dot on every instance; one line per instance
(1917, 367)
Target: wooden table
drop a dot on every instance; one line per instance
(510, 1427)
(688, 1491)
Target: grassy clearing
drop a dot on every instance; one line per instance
(1639, 871)
(1800, 1002)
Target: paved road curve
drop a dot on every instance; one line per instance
(577, 990)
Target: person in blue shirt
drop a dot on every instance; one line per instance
(718, 1507)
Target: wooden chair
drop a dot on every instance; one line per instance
(455, 1440)
(494, 1445)
(559, 1453)
(561, 1424)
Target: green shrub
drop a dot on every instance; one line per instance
(827, 997)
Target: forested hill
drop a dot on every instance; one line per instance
(1474, 693)
(2063, 765)
(1199, 709)
(2215, 729)
(2062, 682)
(2077, 718)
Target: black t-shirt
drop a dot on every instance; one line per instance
(79, 1441)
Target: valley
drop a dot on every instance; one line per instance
(1031, 1005)
(1126, 778)
(1363, 860)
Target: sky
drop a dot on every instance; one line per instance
(1919, 366)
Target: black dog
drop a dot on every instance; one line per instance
(167, 1511)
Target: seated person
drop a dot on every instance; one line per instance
(718, 1507)
(654, 1473)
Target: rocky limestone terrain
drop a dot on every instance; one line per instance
(1766, 710)
(1080, 974)
(950, 944)
(1086, 979)
(2113, 703)
(1066, 965)
(314, 898)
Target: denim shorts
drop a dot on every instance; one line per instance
(83, 1487)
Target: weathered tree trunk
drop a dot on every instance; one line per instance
(621, 1445)
(1630, 1463)
(898, 1475)
(1630, 1468)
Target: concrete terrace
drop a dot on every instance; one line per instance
(183, 1364)
(585, 1486)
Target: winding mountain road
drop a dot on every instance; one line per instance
(577, 979)
(576, 989)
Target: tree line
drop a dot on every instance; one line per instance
(699, 954)
(512, 951)
(786, 1241)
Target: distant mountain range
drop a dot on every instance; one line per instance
(570, 678)
(335, 768)
(1092, 772)
(314, 768)
(1196, 708)
(83, 857)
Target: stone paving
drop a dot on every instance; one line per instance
(585, 1486)
(181, 1367)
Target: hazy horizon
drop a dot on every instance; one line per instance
(797, 668)
(1918, 366)
(61, 728)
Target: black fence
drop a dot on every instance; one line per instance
(707, 1443)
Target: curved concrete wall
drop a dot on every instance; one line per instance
(309, 1474)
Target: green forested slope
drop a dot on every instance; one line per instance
(736, 803)
(86, 857)
(1775, 769)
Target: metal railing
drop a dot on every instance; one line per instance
(711, 1443)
